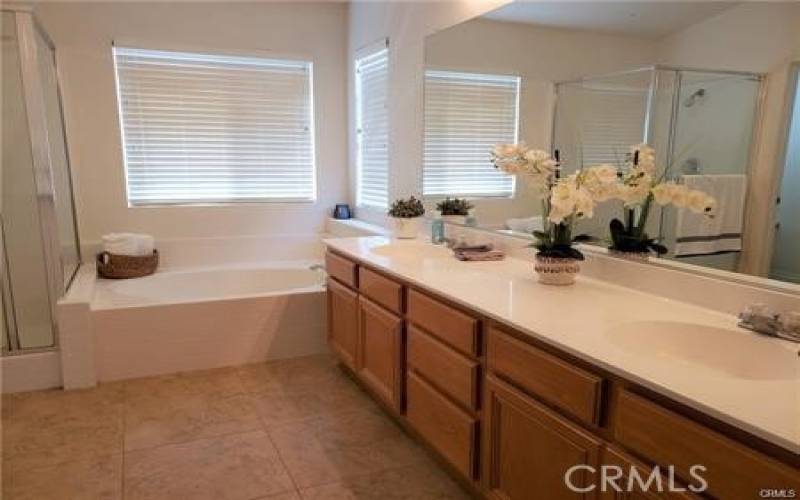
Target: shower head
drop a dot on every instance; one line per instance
(689, 101)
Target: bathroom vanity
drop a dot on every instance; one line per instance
(513, 383)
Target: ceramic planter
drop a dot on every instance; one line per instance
(556, 271)
(406, 228)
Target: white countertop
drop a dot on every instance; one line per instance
(722, 377)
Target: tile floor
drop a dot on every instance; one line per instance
(287, 430)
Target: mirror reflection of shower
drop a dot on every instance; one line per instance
(701, 125)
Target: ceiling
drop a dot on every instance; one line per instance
(647, 19)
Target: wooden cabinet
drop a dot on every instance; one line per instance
(528, 449)
(629, 479)
(343, 323)
(449, 429)
(451, 372)
(381, 351)
(515, 421)
(732, 470)
(573, 389)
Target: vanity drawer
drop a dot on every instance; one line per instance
(344, 270)
(733, 471)
(446, 427)
(450, 325)
(451, 372)
(381, 289)
(552, 379)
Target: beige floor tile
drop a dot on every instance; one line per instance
(175, 389)
(98, 478)
(327, 449)
(285, 406)
(409, 483)
(51, 427)
(310, 372)
(190, 419)
(235, 467)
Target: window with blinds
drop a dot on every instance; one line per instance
(465, 115)
(372, 128)
(201, 128)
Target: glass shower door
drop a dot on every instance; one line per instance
(39, 253)
(25, 297)
(712, 131)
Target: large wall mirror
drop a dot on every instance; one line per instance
(711, 86)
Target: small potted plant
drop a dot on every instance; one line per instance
(406, 214)
(454, 209)
(639, 188)
(564, 202)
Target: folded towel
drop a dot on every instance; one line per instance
(485, 255)
(697, 234)
(132, 244)
(473, 248)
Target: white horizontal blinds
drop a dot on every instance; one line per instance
(372, 129)
(613, 120)
(201, 128)
(465, 115)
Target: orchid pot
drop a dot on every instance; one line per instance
(556, 270)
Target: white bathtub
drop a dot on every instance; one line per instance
(192, 319)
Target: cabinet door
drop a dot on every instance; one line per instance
(343, 323)
(528, 449)
(381, 352)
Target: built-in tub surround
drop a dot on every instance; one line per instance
(693, 355)
(206, 318)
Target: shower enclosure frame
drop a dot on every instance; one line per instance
(27, 29)
(647, 129)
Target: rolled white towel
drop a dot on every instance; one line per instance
(128, 244)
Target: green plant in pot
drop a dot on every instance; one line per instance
(406, 214)
(639, 188)
(454, 209)
(565, 200)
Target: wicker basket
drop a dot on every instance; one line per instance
(115, 266)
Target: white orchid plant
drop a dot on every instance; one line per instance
(564, 201)
(639, 187)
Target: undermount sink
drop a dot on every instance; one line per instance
(732, 352)
(401, 249)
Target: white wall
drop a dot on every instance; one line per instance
(759, 37)
(541, 56)
(83, 33)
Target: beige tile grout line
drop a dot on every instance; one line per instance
(265, 429)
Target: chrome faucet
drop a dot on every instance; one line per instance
(760, 319)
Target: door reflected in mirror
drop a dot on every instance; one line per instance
(590, 80)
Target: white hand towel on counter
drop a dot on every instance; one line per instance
(697, 234)
(128, 244)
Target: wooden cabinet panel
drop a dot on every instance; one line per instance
(628, 487)
(381, 351)
(554, 380)
(452, 326)
(733, 471)
(344, 270)
(343, 323)
(381, 289)
(449, 429)
(450, 371)
(528, 449)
